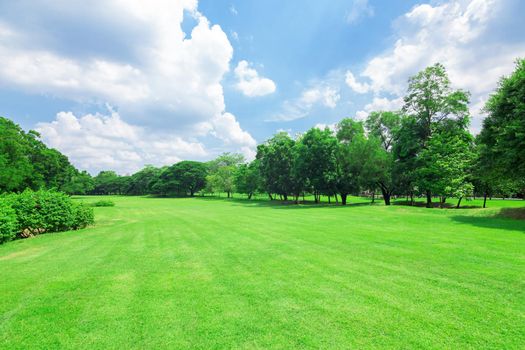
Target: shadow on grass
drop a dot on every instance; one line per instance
(421, 204)
(278, 204)
(506, 219)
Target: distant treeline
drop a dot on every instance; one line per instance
(424, 149)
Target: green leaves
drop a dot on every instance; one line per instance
(503, 131)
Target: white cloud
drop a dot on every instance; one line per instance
(250, 83)
(107, 142)
(101, 142)
(169, 80)
(379, 104)
(233, 10)
(321, 94)
(455, 33)
(360, 88)
(358, 10)
(226, 128)
(326, 95)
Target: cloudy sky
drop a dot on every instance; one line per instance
(116, 84)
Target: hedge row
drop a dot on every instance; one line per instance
(35, 212)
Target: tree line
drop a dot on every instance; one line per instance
(425, 149)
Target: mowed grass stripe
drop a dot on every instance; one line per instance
(208, 273)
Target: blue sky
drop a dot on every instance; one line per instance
(118, 84)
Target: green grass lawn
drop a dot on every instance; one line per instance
(208, 273)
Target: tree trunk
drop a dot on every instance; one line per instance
(285, 197)
(459, 202)
(228, 192)
(329, 199)
(270, 195)
(429, 199)
(373, 196)
(386, 195)
(343, 198)
(484, 200)
(412, 199)
(250, 195)
(337, 199)
(316, 199)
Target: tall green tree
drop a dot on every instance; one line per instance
(317, 157)
(447, 160)
(222, 172)
(276, 159)
(248, 178)
(503, 131)
(431, 101)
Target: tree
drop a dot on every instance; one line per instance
(80, 183)
(348, 128)
(248, 178)
(382, 129)
(317, 153)
(276, 163)
(222, 170)
(431, 101)
(107, 182)
(191, 176)
(446, 161)
(503, 131)
(142, 182)
(384, 125)
(16, 169)
(377, 167)
(26, 162)
(405, 151)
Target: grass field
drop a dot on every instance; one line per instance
(208, 273)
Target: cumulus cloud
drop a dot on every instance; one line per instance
(107, 142)
(250, 83)
(360, 88)
(455, 33)
(100, 141)
(169, 80)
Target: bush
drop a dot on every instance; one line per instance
(8, 222)
(82, 216)
(103, 203)
(43, 211)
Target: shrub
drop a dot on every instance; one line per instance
(43, 211)
(103, 203)
(8, 222)
(83, 216)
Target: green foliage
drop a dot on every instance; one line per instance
(142, 182)
(503, 131)
(276, 160)
(8, 222)
(103, 203)
(83, 216)
(317, 154)
(47, 211)
(431, 100)
(248, 178)
(108, 182)
(25, 162)
(183, 178)
(221, 173)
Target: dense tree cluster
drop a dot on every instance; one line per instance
(26, 162)
(424, 149)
